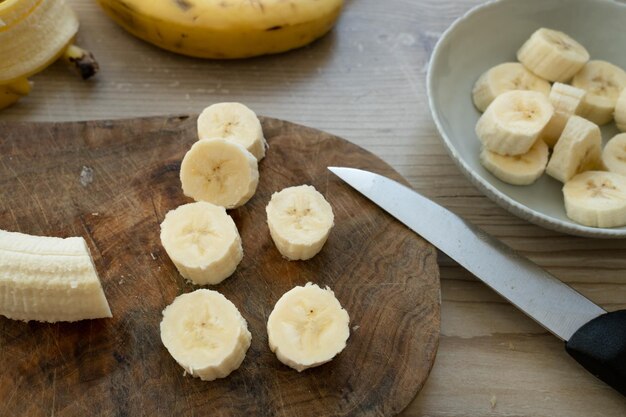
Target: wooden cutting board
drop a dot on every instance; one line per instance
(384, 275)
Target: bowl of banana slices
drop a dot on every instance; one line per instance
(530, 101)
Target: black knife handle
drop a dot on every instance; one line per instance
(600, 346)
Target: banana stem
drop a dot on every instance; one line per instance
(82, 60)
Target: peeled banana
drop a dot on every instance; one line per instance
(513, 122)
(553, 55)
(34, 34)
(566, 101)
(48, 279)
(614, 154)
(519, 169)
(604, 82)
(202, 241)
(205, 333)
(307, 327)
(620, 111)
(299, 219)
(502, 78)
(225, 29)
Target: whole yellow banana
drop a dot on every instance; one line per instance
(225, 29)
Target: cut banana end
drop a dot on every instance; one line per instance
(205, 333)
(49, 279)
(596, 199)
(519, 169)
(566, 101)
(234, 122)
(603, 83)
(553, 55)
(299, 219)
(614, 154)
(513, 122)
(620, 112)
(502, 78)
(308, 327)
(219, 171)
(202, 241)
(579, 149)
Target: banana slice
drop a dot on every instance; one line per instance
(603, 82)
(49, 279)
(299, 219)
(620, 112)
(596, 199)
(205, 333)
(219, 172)
(614, 154)
(552, 55)
(505, 77)
(235, 122)
(202, 241)
(579, 149)
(308, 327)
(519, 169)
(513, 122)
(566, 101)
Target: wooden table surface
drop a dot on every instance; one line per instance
(366, 83)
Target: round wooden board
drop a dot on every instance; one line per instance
(383, 274)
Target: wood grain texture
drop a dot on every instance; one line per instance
(384, 275)
(366, 82)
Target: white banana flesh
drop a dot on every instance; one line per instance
(502, 78)
(513, 122)
(219, 171)
(49, 279)
(234, 122)
(620, 112)
(300, 220)
(33, 34)
(603, 82)
(202, 241)
(308, 327)
(566, 101)
(579, 149)
(596, 199)
(206, 334)
(519, 169)
(553, 55)
(614, 154)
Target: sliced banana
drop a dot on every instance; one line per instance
(603, 82)
(502, 78)
(49, 279)
(620, 112)
(519, 169)
(566, 101)
(513, 122)
(205, 333)
(552, 55)
(299, 219)
(596, 199)
(202, 241)
(614, 154)
(579, 149)
(308, 327)
(235, 122)
(219, 171)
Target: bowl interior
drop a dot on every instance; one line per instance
(489, 35)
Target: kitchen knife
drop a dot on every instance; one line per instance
(595, 338)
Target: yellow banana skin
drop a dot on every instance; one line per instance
(225, 29)
(12, 92)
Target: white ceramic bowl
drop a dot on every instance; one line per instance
(489, 35)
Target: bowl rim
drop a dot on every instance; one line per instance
(493, 193)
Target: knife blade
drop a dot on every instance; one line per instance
(595, 338)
